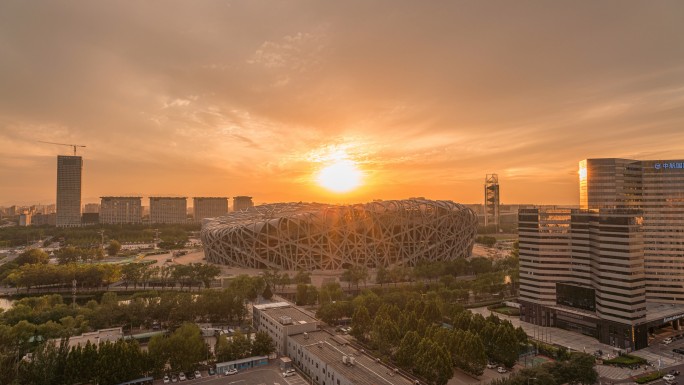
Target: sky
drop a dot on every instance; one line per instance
(225, 98)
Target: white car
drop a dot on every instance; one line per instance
(288, 374)
(230, 372)
(501, 369)
(668, 378)
(181, 376)
(491, 366)
(166, 379)
(198, 374)
(668, 340)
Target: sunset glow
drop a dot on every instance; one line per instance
(340, 177)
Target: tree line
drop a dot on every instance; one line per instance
(31, 269)
(110, 363)
(90, 235)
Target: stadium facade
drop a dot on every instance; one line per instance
(314, 236)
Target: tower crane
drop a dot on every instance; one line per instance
(63, 144)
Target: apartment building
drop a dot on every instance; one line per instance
(168, 210)
(209, 207)
(120, 210)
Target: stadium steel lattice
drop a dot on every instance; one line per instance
(308, 236)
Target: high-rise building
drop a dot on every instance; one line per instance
(69, 169)
(209, 207)
(25, 219)
(491, 202)
(614, 268)
(168, 210)
(119, 210)
(242, 203)
(656, 187)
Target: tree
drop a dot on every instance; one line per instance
(32, 256)
(267, 294)
(183, 349)
(382, 276)
(302, 277)
(113, 248)
(360, 323)
(408, 348)
(262, 345)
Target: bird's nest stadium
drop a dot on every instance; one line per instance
(314, 236)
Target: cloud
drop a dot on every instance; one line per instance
(217, 98)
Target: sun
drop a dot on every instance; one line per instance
(341, 176)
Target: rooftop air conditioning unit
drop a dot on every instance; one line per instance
(285, 320)
(352, 360)
(345, 359)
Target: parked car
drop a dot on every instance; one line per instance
(212, 371)
(181, 376)
(501, 369)
(668, 378)
(291, 370)
(288, 374)
(678, 350)
(174, 378)
(166, 379)
(191, 376)
(674, 372)
(667, 340)
(491, 366)
(198, 374)
(230, 372)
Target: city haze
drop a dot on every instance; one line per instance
(255, 98)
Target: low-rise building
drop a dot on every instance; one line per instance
(329, 360)
(281, 319)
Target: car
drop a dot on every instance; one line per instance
(181, 376)
(174, 378)
(668, 378)
(291, 370)
(501, 369)
(674, 372)
(678, 350)
(491, 366)
(230, 372)
(166, 379)
(288, 374)
(667, 340)
(191, 376)
(212, 371)
(198, 374)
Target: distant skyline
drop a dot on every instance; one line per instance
(225, 98)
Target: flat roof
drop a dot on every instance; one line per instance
(661, 311)
(297, 315)
(365, 371)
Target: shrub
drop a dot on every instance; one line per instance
(649, 377)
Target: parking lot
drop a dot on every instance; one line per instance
(264, 375)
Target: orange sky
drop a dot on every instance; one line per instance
(218, 98)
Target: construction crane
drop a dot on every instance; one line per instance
(64, 144)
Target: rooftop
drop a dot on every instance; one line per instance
(365, 370)
(284, 309)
